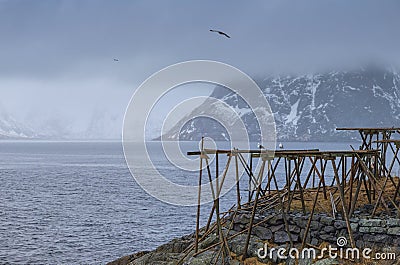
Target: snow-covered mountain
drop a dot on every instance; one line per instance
(12, 129)
(101, 125)
(310, 107)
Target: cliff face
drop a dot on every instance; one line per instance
(310, 107)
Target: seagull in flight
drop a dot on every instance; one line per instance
(221, 33)
(116, 60)
(260, 146)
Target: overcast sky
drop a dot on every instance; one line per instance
(56, 56)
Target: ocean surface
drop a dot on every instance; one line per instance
(77, 203)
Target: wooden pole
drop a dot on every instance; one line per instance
(342, 198)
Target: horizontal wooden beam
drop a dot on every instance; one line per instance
(289, 153)
(368, 129)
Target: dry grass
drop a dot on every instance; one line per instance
(324, 204)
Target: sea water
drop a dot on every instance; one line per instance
(77, 203)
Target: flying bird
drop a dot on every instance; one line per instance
(260, 146)
(116, 60)
(280, 145)
(221, 33)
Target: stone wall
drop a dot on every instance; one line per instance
(376, 232)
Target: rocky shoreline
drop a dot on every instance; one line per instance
(380, 234)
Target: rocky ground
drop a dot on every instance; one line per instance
(273, 229)
(380, 234)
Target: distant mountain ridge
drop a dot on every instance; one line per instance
(101, 126)
(11, 129)
(310, 107)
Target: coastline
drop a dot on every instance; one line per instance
(381, 234)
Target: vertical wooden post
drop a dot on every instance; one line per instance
(253, 212)
(342, 198)
(196, 246)
(250, 176)
(237, 181)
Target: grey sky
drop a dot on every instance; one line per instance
(56, 56)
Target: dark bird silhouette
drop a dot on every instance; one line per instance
(116, 60)
(220, 32)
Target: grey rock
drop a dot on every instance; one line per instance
(326, 262)
(296, 219)
(339, 224)
(276, 228)
(329, 229)
(158, 258)
(354, 220)
(295, 237)
(394, 231)
(281, 237)
(371, 222)
(327, 220)
(314, 241)
(314, 225)
(393, 222)
(354, 227)
(302, 235)
(375, 229)
(316, 217)
(315, 233)
(364, 229)
(176, 245)
(208, 241)
(301, 221)
(234, 262)
(262, 232)
(237, 227)
(360, 243)
(242, 219)
(236, 245)
(327, 237)
(305, 261)
(276, 220)
(294, 229)
(380, 238)
(396, 241)
(342, 232)
(203, 259)
(290, 261)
